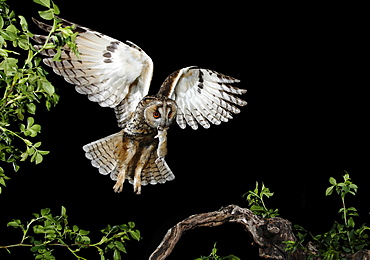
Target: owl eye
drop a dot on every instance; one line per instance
(169, 114)
(156, 114)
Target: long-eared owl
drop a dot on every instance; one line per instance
(118, 74)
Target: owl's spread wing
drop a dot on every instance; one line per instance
(202, 96)
(110, 72)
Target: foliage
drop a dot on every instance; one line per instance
(293, 246)
(256, 203)
(214, 256)
(23, 85)
(342, 238)
(45, 232)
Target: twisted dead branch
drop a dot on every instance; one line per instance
(267, 234)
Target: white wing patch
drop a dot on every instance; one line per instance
(110, 72)
(204, 96)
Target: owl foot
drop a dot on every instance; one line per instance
(137, 186)
(119, 184)
(117, 187)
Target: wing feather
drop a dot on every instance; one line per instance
(202, 96)
(110, 72)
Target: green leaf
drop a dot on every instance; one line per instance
(36, 248)
(31, 108)
(34, 130)
(50, 235)
(131, 224)
(38, 229)
(12, 31)
(75, 228)
(120, 246)
(30, 122)
(43, 152)
(14, 223)
(45, 211)
(329, 191)
(56, 8)
(332, 181)
(346, 177)
(2, 181)
(31, 151)
(23, 23)
(38, 158)
(1, 22)
(47, 15)
(351, 222)
(45, 3)
(346, 249)
(28, 142)
(256, 208)
(116, 255)
(83, 232)
(106, 230)
(57, 55)
(48, 87)
(345, 189)
(353, 186)
(64, 211)
(135, 234)
(9, 66)
(85, 240)
(110, 245)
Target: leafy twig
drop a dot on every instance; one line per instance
(24, 86)
(46, 231)
(343, 238)
(256, 203)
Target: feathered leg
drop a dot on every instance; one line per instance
(142, 162)
(125, 159)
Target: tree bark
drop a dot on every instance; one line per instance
(268, 234)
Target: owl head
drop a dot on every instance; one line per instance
(159, 112)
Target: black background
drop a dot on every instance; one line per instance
(306, 120)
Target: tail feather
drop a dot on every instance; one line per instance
(104, 155)
(156, 171)
(167, 174)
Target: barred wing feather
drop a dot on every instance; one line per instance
(202, 96)
(110, 72)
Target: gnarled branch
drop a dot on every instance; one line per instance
(268, 234)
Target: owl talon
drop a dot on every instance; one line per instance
(119, 184)
(117, 187)
(137, 186)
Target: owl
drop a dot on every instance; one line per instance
(118, 75)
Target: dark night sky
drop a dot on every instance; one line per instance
(303, 67)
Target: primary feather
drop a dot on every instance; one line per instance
(110, 72)
(202, 95)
